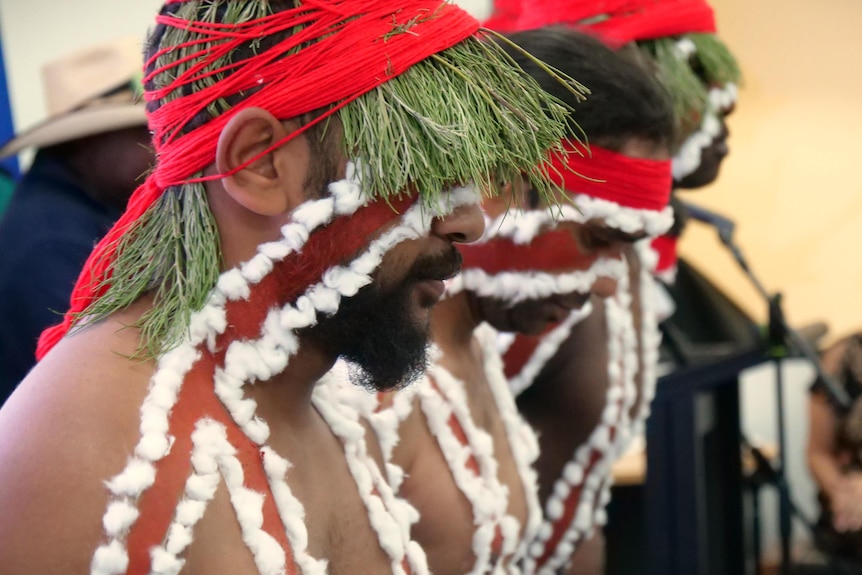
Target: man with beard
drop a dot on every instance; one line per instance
(465, 451)
(395, 354)
(173, 423)
(573, 381)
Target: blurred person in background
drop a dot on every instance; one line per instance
(92, 150)
(835, 454)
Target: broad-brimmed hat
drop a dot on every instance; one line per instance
(91, 91)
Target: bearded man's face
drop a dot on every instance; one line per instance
(383, 331)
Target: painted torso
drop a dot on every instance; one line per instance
(219, 469)
(621, 335)
(219, 502)
(466, 454)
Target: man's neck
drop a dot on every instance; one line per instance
(452, 323)
(287, 396)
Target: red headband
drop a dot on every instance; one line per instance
(343, 49)
(622, 20)
(600, 173)
(650, 19)
(505, 16)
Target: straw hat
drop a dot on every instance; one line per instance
(89, 92)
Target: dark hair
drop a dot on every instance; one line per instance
(625, 100)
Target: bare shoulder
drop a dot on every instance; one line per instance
(69, 426)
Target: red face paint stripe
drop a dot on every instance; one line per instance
(552, 251)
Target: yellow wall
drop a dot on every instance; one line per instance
(792, 181)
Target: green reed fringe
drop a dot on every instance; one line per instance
(483, 121)
(689, 81)
(465, 114)
(688, 92)
(173, 251)
(719, 65)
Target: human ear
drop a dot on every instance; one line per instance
(268, 185)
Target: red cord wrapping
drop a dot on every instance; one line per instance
(627, 20)
(634, 183)
(666, 248)
(347, 49)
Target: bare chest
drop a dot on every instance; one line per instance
(329, 532)
(469, 462)
(310, 501)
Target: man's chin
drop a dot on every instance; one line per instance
(376, 379)
(427, 293)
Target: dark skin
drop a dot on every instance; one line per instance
(549, 404)
(446, 527)
(566, 400)
(110, 166)
(531, 317)
(73, 422)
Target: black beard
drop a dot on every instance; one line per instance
(376, 331)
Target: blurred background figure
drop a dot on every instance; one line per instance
(835, 456)
(92, 150)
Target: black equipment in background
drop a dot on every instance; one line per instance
(781, 341)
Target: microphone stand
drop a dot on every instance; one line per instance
(781, 339)
(780, 333)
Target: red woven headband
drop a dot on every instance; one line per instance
(622, 20)
(629, 182)
(353, 50)
(650, 19)
(343, 49)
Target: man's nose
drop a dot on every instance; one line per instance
(604, 287)
(464, 225)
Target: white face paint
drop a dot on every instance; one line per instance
(688, 159)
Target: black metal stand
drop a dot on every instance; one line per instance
(782, 341)
(781, 337)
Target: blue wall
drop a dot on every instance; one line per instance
(7, 128)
